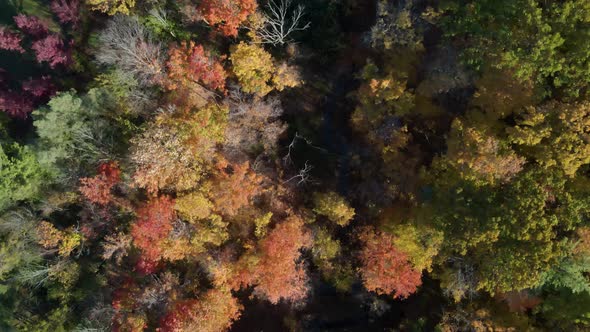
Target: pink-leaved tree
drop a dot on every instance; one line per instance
(67, 11)
(52, 50)
(31, 25)
(10, 40)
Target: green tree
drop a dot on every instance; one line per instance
(21, 175)
(74, 129)
(573, 270)
(566, 310)
(512, 234)
(542, 40)
(570, 273)
(18, 247)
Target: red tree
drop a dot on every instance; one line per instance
(277, 274)
(386, 269)
(34, 91)
(214, 312)
(192, 63)
(67, 11)
(153, 225)
(52, 50)
(98, 189)
(39, 87)
(146, 266)
(227, 15)
(280, 276)
(15, 104)
(31, 25)
(10, 40)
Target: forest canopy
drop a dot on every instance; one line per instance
(294, 165)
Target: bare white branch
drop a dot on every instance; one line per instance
(297, 137)
(303, 176)
(279, 25)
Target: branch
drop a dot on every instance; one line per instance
(303, 175)
(277, 26)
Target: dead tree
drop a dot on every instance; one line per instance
(303, 176)
(278, 24)
(126, 44)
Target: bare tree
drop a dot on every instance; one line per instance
(126, 44)
(99, 318)
(156, 293)
(296, 138)
(253, 122)
(303, 176)
(462, 281)
(116, 246)
(278, 25)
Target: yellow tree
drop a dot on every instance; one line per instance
(555, 135)
(176, 150)
(334, 207)
(111, 7)
(381, 96)
(258, 73)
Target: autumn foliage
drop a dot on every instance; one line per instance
(480, 156)
(280, 275)
(111, 7)
(226, 15)
(16, 104)
(67, 11)
(191, 63)
(39, 88)
(234, 186)
(19, 104)
(98, 188)
(386, 269)
(125, 318)
(165, 167)
(31, 25)
(215, 311)
(175, 150)
(51, 50)
(61, 241)
(275, 270)
(47, 48)
(153, 225)
(258, 73)
(10, 40)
